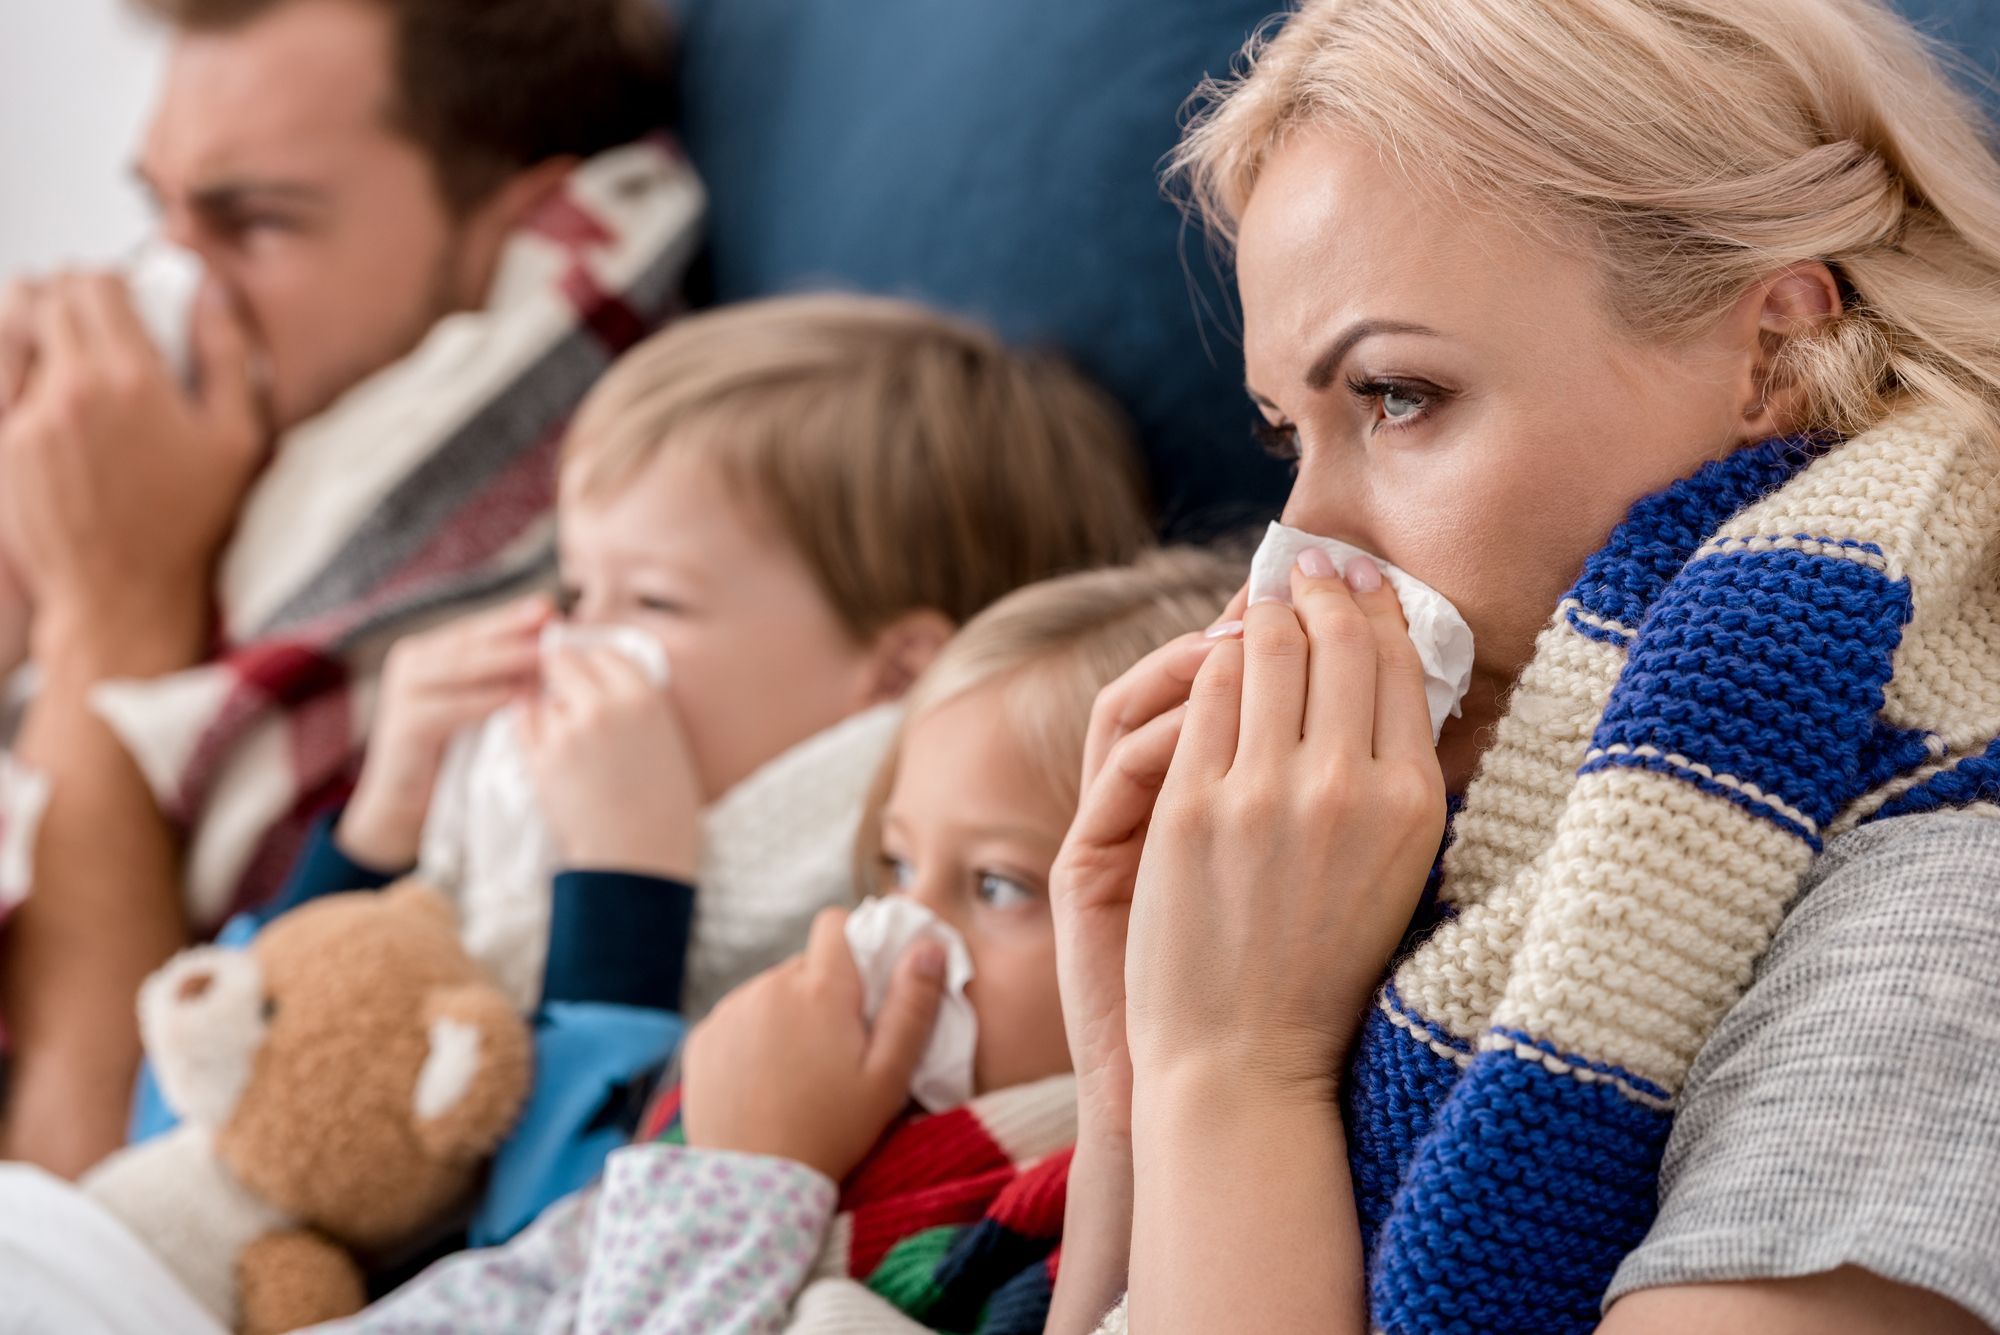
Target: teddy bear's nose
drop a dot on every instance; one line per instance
(193, 986)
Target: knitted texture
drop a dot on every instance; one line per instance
(1799, 638)
(955, 1218)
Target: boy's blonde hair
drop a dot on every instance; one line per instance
(1699, 145)
(1054, 646)
(914, 460)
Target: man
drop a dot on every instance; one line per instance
(351, 173)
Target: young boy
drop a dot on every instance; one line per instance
(795, 503)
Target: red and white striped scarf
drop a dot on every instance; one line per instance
(426, 490)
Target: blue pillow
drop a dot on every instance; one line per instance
(999, 158)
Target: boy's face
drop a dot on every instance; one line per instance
(970, 831)
(758, 659)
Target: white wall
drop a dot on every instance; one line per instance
(76, 81)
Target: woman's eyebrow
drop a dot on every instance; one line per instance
(1320, 375)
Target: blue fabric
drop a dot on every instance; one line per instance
(999, 159)
(592, 1062)
(1973, 27)
(323, 868)
(618, 937)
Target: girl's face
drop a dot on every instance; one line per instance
(1459, 396)
(970, 831)
(759, 660)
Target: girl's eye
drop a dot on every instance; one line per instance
(1003, 892)
(665, 606)
(568, 597)
(1280, 441)
(896, 873)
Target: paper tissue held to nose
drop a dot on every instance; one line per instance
(879, 932)
(1443, 640)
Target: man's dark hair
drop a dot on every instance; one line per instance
(488, 87)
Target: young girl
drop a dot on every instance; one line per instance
(765, 1189)
(790, 505)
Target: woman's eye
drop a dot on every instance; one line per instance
(896, 873)
(1397, 402)
(1397, 405)
(1003, 892)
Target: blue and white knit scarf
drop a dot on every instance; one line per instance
(1791, 642)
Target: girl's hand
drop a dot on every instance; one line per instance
(1292, 838)
(786, 1066)
(434, 684)
(612, 767)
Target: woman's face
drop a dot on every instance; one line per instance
(1462, 400)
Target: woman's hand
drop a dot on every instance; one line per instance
(786, 1066)
(434, 684)
(612, 767)
(1290, 844)
(1133, 729)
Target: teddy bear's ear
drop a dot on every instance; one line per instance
(475, 1078)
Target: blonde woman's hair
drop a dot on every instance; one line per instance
(1700, 145)
(915, 461)
(1051, 647)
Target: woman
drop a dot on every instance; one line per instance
(1663, 338)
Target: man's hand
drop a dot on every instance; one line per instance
(786, 1066)
(121, 485)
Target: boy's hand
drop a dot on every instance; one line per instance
(612, 767)
(434, 684)
(786, 1066)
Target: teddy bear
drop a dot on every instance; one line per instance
(341, 1082)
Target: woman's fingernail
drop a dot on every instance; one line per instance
(1363, 575)
(1316, 564)
(929, 961)
(1277, 598)
(1223, 630)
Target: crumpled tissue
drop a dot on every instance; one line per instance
(1443, 640)
(878, 933)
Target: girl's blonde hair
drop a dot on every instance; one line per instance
(1700, 145)
(1052, 647)
(913, 460)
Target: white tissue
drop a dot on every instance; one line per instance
(1443, 640)
(635, 644)
(878, 933)
(486, 836)
(164, 281)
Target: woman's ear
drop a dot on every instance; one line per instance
(1796, 302)
(900, 652)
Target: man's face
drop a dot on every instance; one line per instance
(272, 155)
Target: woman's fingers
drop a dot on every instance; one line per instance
(1214, 717)
(1340, 699)
(1152, 686)
(1274, 683)
(1402, 710)
(1120, 800)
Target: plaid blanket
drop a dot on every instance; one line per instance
(424, 491)
(955, 1218)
